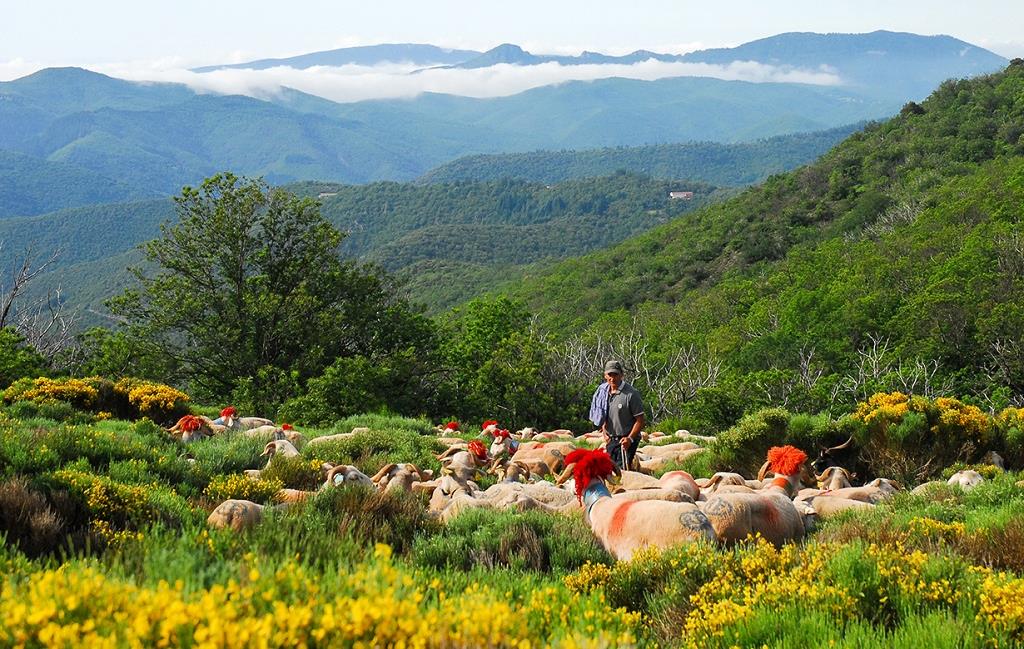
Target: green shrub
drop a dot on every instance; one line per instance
(295, 472)
(533, 541)
(744, 446)
(369, 516)
(374, 449)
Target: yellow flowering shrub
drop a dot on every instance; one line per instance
(239, 487)
(929, 527)
(375, 604)
(588, 577)
(78, 392)
(106, 499)
(760, 576)
(1001, 604)
(154, 400)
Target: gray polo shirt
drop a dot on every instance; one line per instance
(623, 408)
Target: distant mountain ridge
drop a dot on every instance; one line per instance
(416, 54)
(156, 137)
(865, 61)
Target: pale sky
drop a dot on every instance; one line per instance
(183, 33)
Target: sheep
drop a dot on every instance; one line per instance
(624, 526)
(834, 477)
(554, 436)
(279, 447)
(399, 477)
(543, 459)
(327, 439)
(769, 512)
(662, 462)
(345, 474)
(966, 480)
(192, 429)
(885, 484)
(670, 486)
(465, 465)
(239, 515)
(721, 479)
(657, 458)
(513, 472)
(827, 505)
(229, 419)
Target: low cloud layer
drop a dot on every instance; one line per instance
(356, 83)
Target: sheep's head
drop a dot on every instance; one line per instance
(189, 423)
(478, 451)
(786, 460)
(489, 427)
(587, 466)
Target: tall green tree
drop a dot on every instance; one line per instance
(247, 292)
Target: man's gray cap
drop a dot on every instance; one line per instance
(613, 367)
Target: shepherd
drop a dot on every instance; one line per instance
(618, 411)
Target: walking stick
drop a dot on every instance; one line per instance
(622, 450)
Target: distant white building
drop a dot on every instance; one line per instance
(329, 194)
(683, 196)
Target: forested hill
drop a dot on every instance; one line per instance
(711, 162)
(909, 231)
(453, 240)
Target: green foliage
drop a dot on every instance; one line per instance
(370, 516)
(896, 246)
(528, 541)
(379, 447)
(18, 360)
(249, 284)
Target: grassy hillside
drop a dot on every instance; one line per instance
(908, 231)
(104, 539)
(718, 164)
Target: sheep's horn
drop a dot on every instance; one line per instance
(269, 449)
(712, 481)
(845, 444)
(566, 474)
(764, 470)
(524, 471)
(415, 469)
(384, 470)
(333, 471)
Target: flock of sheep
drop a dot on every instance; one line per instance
(557, 472)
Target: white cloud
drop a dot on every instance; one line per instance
(16, 68)
(356, 83)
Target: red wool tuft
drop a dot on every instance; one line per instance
(451, 425)
(786, 460)
(189, 423)
(477, 448)
(503, 433)
(287, 427)
(228, 412)
(590, 465)
(489, 422)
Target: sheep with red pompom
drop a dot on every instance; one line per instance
(624, 526)
(769, 512)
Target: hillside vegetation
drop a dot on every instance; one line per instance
(413, 229)
(719, 164)
(902, 243)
